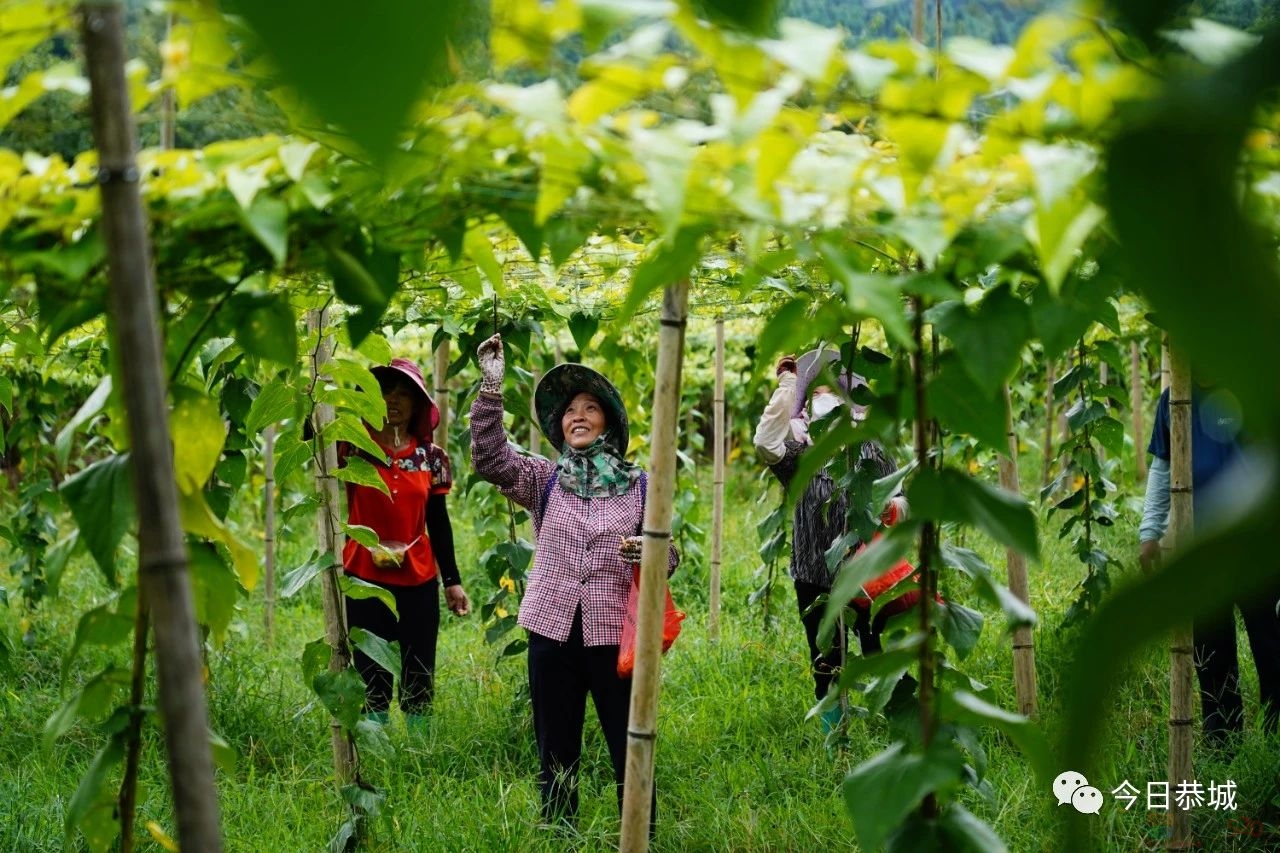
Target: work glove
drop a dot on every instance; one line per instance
(492, 365)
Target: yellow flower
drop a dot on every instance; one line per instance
(507, 583)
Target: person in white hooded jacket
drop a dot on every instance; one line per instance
(781, 439)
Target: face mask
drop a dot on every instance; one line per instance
(824, 404)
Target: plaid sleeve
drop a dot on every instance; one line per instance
(441, 470)
(517, 476)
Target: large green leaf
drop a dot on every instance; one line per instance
(360, 472)
(990, 338)
(867, 295)
(961, 627)
(276, 401)
(583, 328)
(101, 501)
(295, 579)
(1026, 734)
(92, 701)
(267, 219)
(92, 806)
(198, 434)
(883, 790)
(348, 428)
(352, 587)
(198, 518)
(670, 262)
(366, 279)
(961, 406)
(363, 395)
(359, 70)
(267, 327)
(315, 658)
(291, 454)
(753, 16)
(383, 653)
(214, 590)
(963, 832)
(949, 495)
(969, 563)
(342, 693)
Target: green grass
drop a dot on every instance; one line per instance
(738, 766)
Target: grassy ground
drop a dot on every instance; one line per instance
(739, 768)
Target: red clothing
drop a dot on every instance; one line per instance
(412, 475)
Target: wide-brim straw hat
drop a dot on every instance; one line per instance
(560, 385)
(810, 366)
(426, 415)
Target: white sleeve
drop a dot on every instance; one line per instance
(1155, 505)
(775, 424)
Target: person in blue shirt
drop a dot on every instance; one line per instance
(1215, 448)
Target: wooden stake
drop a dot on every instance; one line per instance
(1135, 409)
(162, 554)
(717, 493)
(441, 436)
(269, 529)
(1024, 652)
(641, 727)
(1181, 670)
(330, 538)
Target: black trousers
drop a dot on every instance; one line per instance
(417, 630)
(1219, 671)
(561, 675)
(826, 664)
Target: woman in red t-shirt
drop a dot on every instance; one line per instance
(415, 548)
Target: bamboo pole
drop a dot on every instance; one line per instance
(1135, 409)
(1024, 652)
(162, 555)
(717, 493)
(1181, 671)
(441, 437)
(642, 724)
(1050, 376)
(330, 538)
(269, 530)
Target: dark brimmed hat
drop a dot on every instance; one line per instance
(425, 417)
(810, 365)
(558, 388)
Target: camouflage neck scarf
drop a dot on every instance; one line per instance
(596, 471)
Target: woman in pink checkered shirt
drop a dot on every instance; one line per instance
(587, 510)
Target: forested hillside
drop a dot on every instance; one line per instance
(993, 20)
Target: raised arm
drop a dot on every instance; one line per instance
(774, 428)
(519, 477)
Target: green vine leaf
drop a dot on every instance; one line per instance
(949, 495)
(882, 791)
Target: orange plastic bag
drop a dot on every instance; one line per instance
(671, 619)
